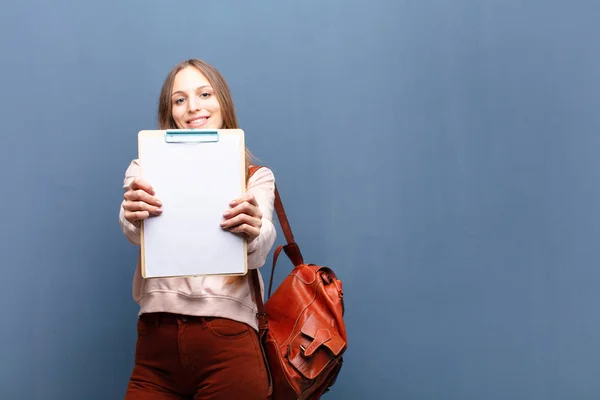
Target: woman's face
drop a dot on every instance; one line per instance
(195, 105)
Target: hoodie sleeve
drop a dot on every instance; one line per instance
(262, 186)
(131, 231)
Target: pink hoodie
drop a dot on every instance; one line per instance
(210, 296)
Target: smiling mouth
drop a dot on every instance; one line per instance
(197, 121)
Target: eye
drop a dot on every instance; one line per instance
(205, 95)
(179, 100)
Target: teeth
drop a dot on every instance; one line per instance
(197, 120)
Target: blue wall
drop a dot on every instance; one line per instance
(441, 156)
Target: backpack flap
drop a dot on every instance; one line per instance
(315, 347)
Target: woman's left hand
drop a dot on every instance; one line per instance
(243, 217)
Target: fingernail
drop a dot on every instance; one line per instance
(222, 223)
(160, 210)
(159, 203)
(226, 213)
(233, 203)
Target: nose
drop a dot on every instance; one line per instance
(192, 104)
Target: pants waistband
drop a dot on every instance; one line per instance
(170, 318)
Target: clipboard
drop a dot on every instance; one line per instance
(195, 173)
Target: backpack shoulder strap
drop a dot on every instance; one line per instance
(291, 248)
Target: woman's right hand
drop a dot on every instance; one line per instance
(140, 202)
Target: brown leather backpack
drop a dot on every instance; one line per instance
(301, 326)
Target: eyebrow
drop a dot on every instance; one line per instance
(198, 88)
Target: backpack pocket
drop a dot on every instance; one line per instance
(315, 347)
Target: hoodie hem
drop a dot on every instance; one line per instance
(199, 306)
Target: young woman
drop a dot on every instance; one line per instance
(198, 337)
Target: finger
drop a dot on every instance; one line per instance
(141, 206)
(251, 231)
(141, 183)
(243, 208)
(141, 195)
(249, 197)
(133, 216)
(241, 219)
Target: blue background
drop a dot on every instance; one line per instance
(441, 156)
